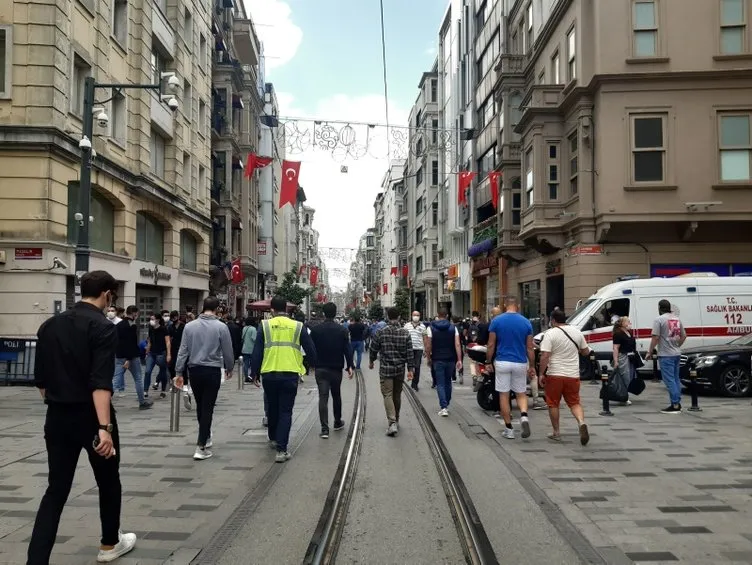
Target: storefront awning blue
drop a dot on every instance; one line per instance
(481, 247)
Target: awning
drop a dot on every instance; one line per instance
(481, 247)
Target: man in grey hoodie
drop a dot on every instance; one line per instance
(205, 349)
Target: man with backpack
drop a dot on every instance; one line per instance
(561, 348)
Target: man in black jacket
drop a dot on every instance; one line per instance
(128, 356)
(74, 365)
(333, 350)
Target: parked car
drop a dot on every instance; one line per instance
(723, 368)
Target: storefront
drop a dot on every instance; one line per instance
(485, 286)
(449, 279)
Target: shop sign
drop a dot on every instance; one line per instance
(452, 271)
(553, 267)
(261, 248)
(155, 274)
(586, 250)
(483, 264)
(24, 253)
(445, 297)
(12, 345)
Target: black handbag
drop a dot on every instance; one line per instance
(636, 359)
(636, 386)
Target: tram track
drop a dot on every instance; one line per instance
(324, 544)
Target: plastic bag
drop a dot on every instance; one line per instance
(615, 389)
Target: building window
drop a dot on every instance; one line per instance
(202, 52)
(572, 55)
(434, 255)
(6, 60)
(149, 239)
(81, 71)
(418, 234)
(188, 251)
(529, 184)
(733, 27)
(434, 131)
(516, 202)
(102, 229)
(419, 177)
(529, 16)
(487, 162)
(188, 30)
(157, 150)
(434, 90)
(120, 22)
(574, 162)
(486, 112)
(556, 68)
(515, 103)
(553, 171)
(434, 214)
(648, 149)
(119, 117)
(645, 25)
(488, 58)
(158, 66)
(202, 117)
(187, 173)
(434, 173)
(735, 146)
(419, 206)
(199, 192)
(542, 77)
(187, 100)
(419, 264)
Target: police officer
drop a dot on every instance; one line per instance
(278, 360)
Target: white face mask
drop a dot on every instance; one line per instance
(475, 319)
(153, 323)
(416, 318)
(166, 318)
(111, 315)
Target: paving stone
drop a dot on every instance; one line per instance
(652, 556)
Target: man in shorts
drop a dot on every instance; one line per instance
(511, 338)
(561, 348)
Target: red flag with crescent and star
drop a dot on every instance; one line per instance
(385, 288)
(314, 275)
(236, 273)
(493, 179)
(288, 192)
(393, 271)
(405, 270)
(255, 162)
(463, 183)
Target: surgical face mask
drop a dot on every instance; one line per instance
(475, 319)
(111, 315)
(416, 318)
(153, 323)
(166, 318)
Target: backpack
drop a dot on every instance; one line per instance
(472, 333)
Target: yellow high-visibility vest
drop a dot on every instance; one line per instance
(282, 349)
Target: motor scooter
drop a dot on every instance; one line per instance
(484, 381)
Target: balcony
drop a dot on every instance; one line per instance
(246, 42)
(511, 154)
(485, 237)
(541, 228)
(402, 218)
(161, 115)
(482, 191)
(511, 67)
(161, 28)
(541, 99)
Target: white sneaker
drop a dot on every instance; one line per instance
(508, 433)
(282, 456)
(125, 544)
(392, 430)
(202, 454)
(210, 441)
(187, 401)
(443, 412)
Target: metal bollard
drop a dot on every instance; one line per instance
(604, 392)
(655, 365)
(241, 376)
(594, 366)
(175, 409)
(693, 391)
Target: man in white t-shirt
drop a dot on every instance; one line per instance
(561, 348)
(418, 333)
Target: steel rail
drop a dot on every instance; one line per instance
(322, 550)
(476, 546)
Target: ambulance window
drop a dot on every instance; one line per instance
(607, 314)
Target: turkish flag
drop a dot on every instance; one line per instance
(404, 270)
(463, 183)
(385, 288)
(493, 179)
(314, 276)
(393, 271)
(236, 273)
(288, 192)
(255, 162)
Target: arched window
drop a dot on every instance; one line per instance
(188, 251)
(149, 239)
(102, 229)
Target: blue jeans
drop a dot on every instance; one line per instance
(669, 367)
(280, 392)
(358, 347)
(246, 364)
(118, 381)
(160, 360)
(444, 371)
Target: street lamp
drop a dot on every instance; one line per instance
(91, 106)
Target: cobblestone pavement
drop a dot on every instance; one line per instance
(174, 504)
(650, 487)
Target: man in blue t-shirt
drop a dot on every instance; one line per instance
(511, 339)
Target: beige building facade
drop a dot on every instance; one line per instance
(150, 218)
(627, 145)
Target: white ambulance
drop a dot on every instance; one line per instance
(713, 309)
